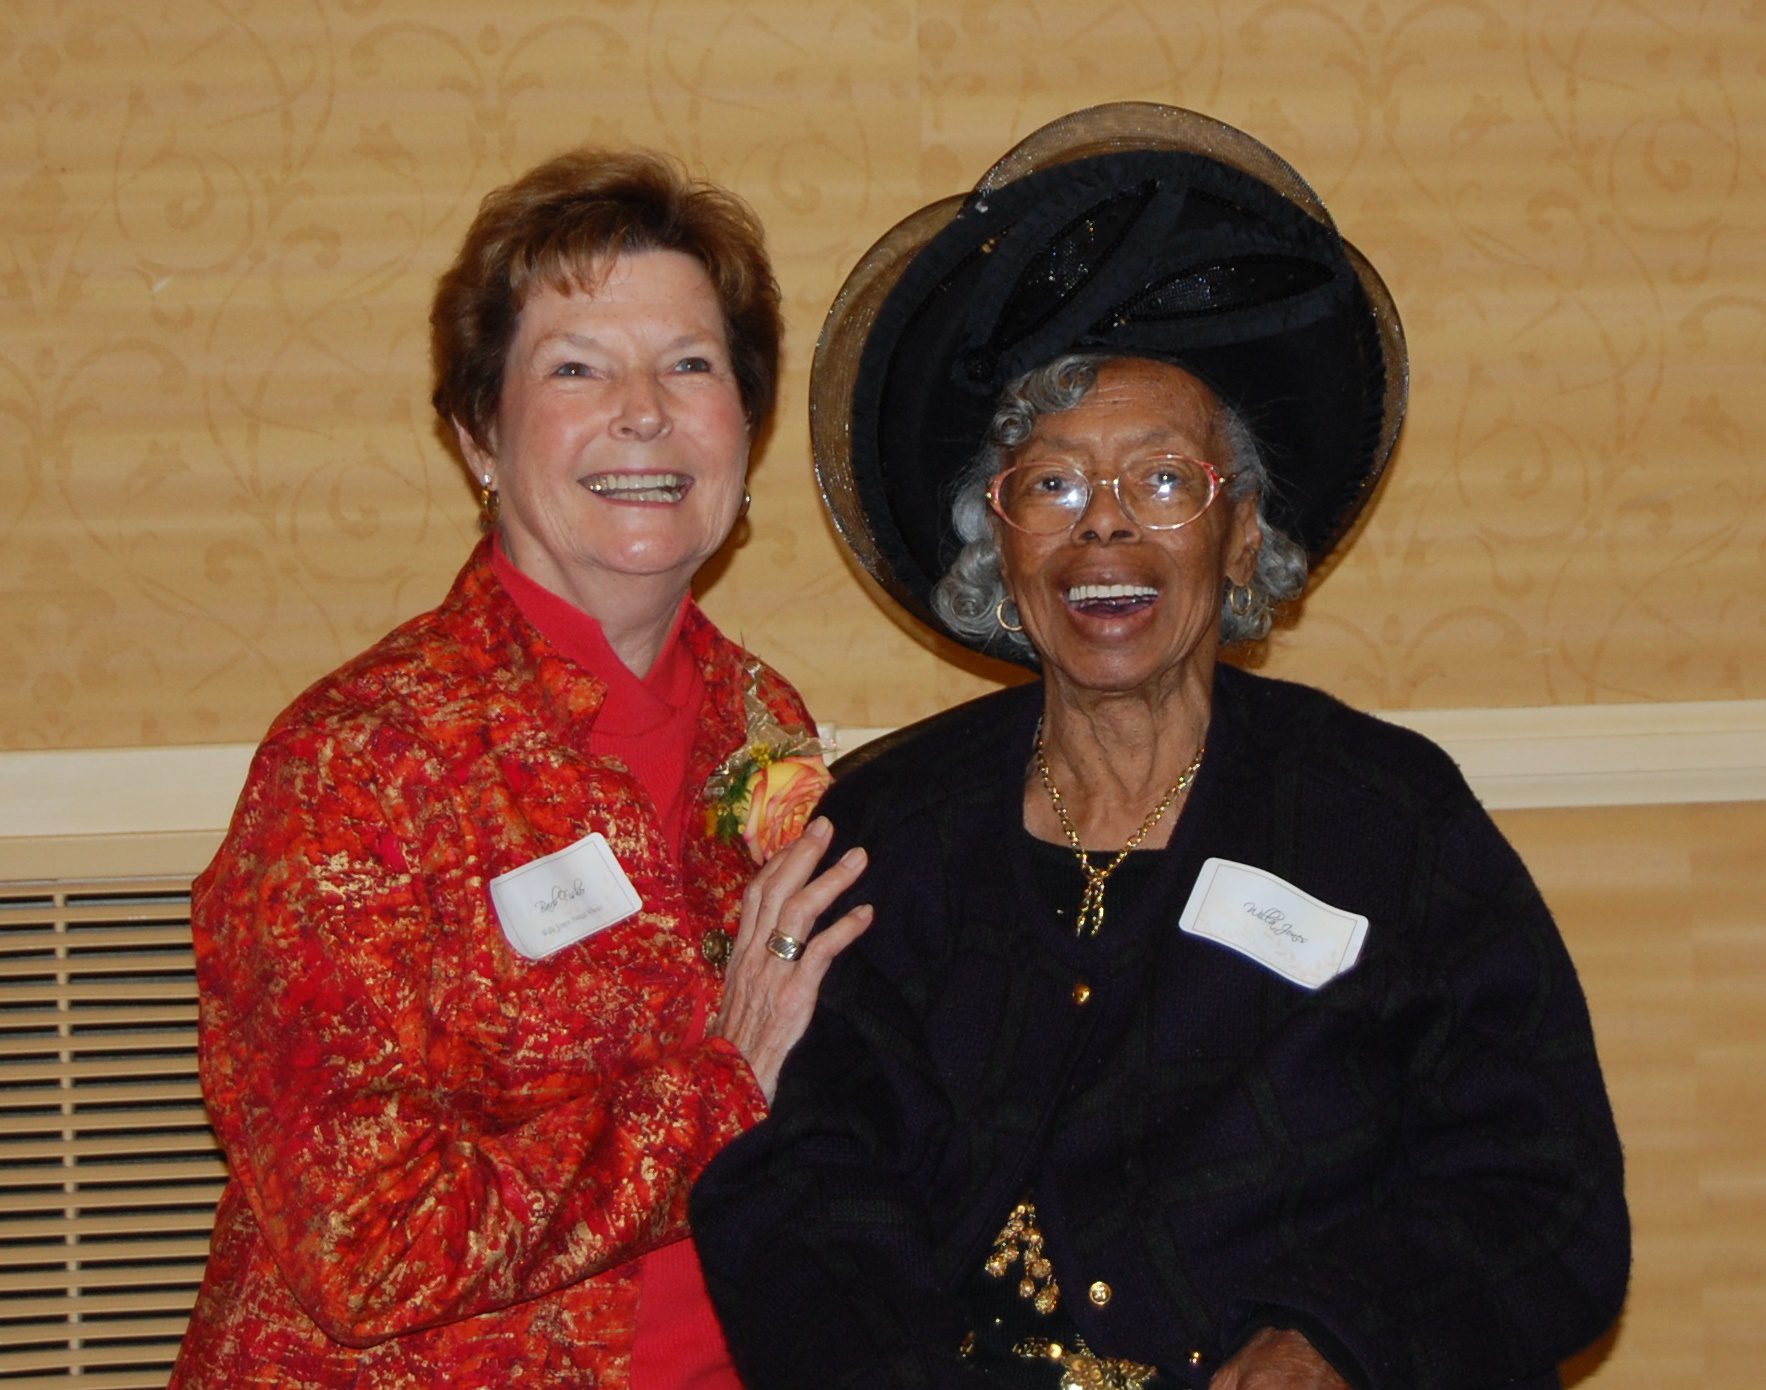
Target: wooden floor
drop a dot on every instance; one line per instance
(1664, 908)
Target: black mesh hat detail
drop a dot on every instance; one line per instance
(1131, 229)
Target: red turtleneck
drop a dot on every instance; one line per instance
(648, 724)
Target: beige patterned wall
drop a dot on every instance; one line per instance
(1680, 1012)
(219, 226)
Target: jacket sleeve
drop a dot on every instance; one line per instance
(391, 1196)
(1503, 1244)
(813, 1228)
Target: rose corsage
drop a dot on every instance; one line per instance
(765, 791)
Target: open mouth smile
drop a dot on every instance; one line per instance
(639, 487)
(1111, 600)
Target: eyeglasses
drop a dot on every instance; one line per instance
(1161, 492)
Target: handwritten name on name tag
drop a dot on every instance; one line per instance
(1274, 923)
(558, 900)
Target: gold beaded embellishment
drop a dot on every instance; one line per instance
(1080, 1370)
(1020, 1241)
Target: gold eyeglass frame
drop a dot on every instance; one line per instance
(1217, 482)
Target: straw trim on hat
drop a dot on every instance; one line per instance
(1131, 229)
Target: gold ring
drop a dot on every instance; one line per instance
(784, 947)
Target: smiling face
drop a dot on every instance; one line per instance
(620, 446)
(1109, 605)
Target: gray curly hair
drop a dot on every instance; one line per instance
(969, 595)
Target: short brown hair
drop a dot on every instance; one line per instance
(553, 226)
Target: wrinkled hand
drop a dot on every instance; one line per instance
(768, 1001)
(1277, 1359)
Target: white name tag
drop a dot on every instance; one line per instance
(1268, 919)
(558, 900)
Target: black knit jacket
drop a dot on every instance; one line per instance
(1415, 1164)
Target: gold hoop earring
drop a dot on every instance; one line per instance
(747, 502)
(999, 616)
(489, 503)
(1240, 600)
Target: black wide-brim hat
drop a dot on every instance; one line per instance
(1130, 229)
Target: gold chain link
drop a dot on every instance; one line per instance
(1091, 902)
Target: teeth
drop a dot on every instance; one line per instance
(639, 487)
(1086, 593)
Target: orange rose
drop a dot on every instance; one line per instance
(781, 797)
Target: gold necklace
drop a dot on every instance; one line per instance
(1091, 902)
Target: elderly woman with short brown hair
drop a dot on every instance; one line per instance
(1209, 1035)
(490, 960)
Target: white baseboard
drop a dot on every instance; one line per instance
(1604, 755)
(1581, 755)
(1585, 755)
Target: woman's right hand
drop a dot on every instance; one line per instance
(768, 1000)
(1277, 1359)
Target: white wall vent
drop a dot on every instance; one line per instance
(108, 1171)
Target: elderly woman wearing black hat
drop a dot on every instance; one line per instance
(1209, 1034)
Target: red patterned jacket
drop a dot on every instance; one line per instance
(444, 1155)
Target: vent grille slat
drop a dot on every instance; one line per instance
(81, 990)
(88, 1305)
(132, 935)
(108, 1170)
(99, 1124)
(179, 1088)
(77, 913)
(23, 1017)
(92, 1175)
(150, 1379)
(23, 1072)
(154, 1251)
(92, 1198)
(26, 1042)
(93, 1351)
(167, 1273)
(27, 971)
(99, 1222)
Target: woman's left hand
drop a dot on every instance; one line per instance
(768, 999)
(1277, 1359)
